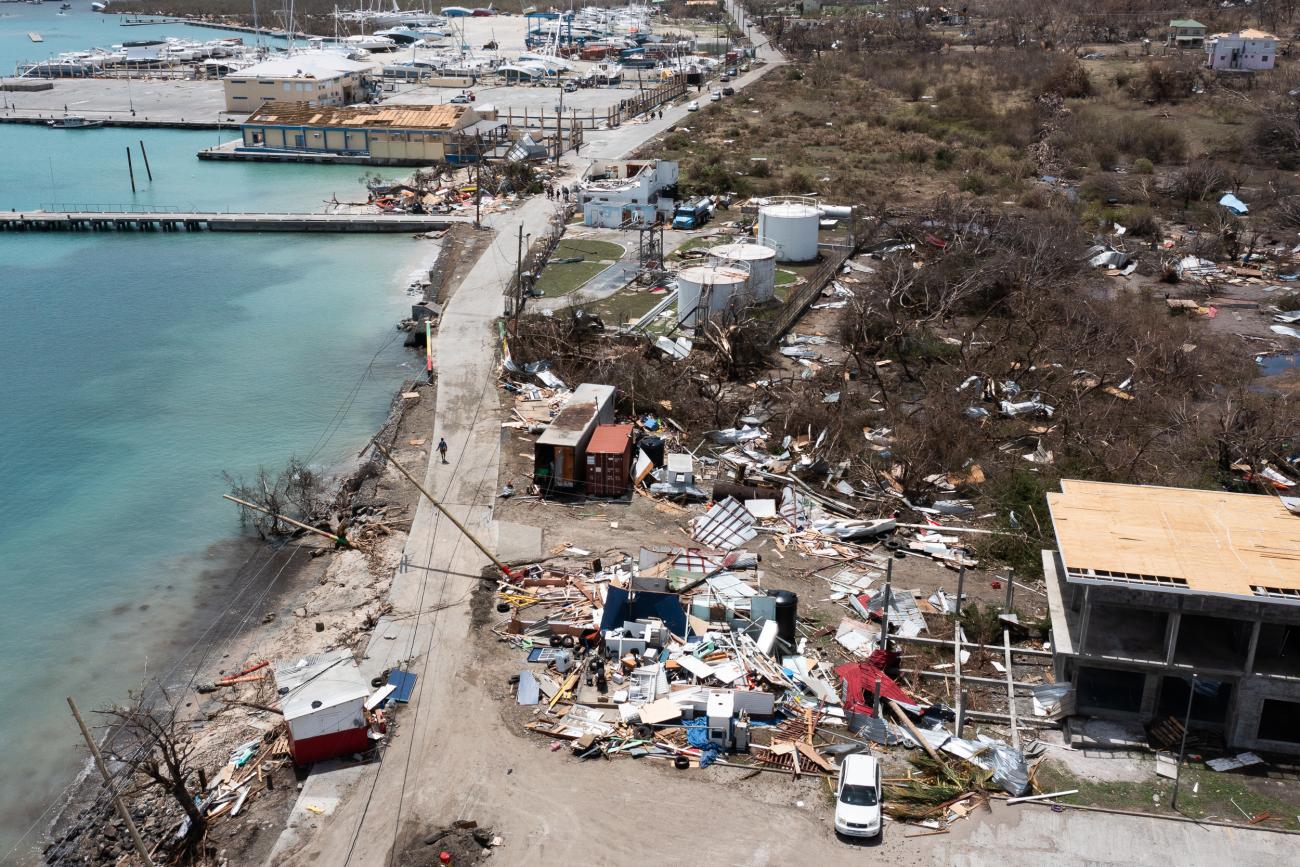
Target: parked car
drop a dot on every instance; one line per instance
(715, 96)
(570, 87)
(857, 798)
(725, 78)
(693, 105)
(728, 91)
(460, 99)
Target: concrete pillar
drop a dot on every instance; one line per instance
(1087, 612)
(1171, 636)
(1150, 694)
(1250, 651)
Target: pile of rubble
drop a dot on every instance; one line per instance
(682, 654)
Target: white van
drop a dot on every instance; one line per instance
(857, 798)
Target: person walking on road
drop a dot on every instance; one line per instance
(442, 449)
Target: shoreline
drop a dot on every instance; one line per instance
(260, 621)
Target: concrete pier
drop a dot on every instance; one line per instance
(179, 221)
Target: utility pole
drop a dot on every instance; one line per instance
(519, 274)
(884, 610)
(122, 811)
(1182, 747)
(501, 567)
(478, 178)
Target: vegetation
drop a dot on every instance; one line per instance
(1203, 794)
(561, 278)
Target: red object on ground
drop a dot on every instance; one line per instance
(860, 686)
(444, 857)
(252, 668)
(996, 585)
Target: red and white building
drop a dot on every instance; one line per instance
(323, 700)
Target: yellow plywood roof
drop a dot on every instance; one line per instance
(1203, 541)
(366, 116)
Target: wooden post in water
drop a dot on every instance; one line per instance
(148, 171)
(122, 811)
(130, 169)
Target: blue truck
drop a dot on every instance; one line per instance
(691, 215)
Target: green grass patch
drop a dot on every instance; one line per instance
(693, 244)
(560, 279)
(1202, 794)
(625, 306)
(784, 277)
(588, 249)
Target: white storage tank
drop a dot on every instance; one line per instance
(790, 228)
(760, 260)
(707, 284)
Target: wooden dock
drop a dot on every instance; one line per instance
(92, 220)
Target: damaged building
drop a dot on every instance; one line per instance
(1166, 598)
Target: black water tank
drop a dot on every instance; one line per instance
(654, 449)
(787, 610)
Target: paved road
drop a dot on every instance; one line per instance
(452, 756)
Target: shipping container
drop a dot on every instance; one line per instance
(609, 460)
(560, 453)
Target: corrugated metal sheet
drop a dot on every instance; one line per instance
(316, 683)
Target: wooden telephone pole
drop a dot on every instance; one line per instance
(122, 811)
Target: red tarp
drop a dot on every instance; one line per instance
(860, 687)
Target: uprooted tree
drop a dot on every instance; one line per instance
(296, 491)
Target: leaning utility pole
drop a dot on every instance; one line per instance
(122, 811)
(501, 567)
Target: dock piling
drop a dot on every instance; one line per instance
(144, 153)
(130, 169)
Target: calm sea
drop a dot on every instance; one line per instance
(134, 370)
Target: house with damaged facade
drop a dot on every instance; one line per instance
(1160, 595)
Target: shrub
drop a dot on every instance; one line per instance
(760, 168)
(1143, 166)
(1164, 82)
(975, 183)
(915, 153)
(1067, 78)
(1140, 222)
(1035, 198)
(915, 89)
(944, 158)
(798, 181)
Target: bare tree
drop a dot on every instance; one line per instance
(296, 491)
(158, 751)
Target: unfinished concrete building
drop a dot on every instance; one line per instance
(1155, 592)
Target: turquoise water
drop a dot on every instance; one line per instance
(80, 30)
(134, 370)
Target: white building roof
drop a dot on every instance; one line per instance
(313, 683)
(310, 64)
